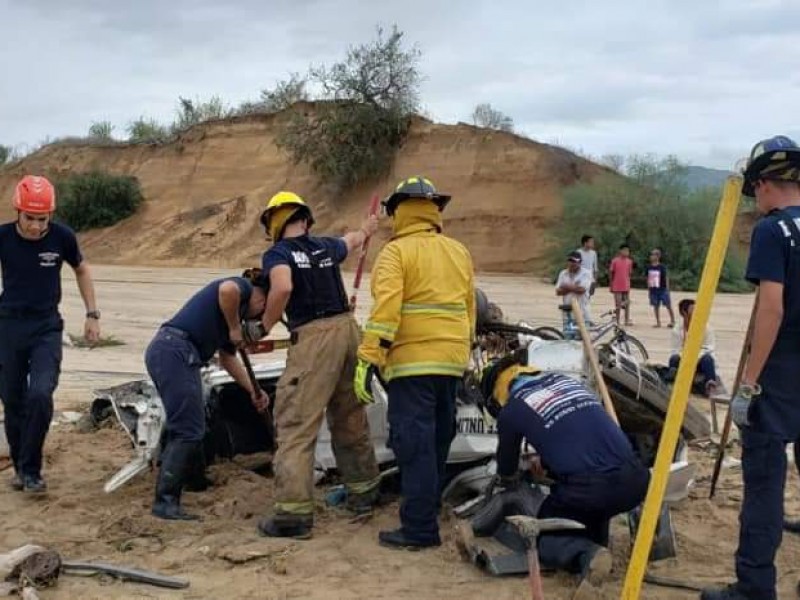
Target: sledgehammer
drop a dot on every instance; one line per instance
(530, 528)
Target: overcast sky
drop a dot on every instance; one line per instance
(701, 79)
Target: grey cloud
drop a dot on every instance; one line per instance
(701, 80)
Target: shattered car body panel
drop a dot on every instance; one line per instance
(138, 409)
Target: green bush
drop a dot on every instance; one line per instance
(192, 112)
(649, 209)
(369, 100)
(5, 154)
(90, 200)
(147, 130)
(101, 130)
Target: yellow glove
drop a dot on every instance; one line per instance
(362, 382)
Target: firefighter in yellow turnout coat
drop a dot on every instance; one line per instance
(418, 338)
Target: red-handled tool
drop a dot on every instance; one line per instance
(373, 210)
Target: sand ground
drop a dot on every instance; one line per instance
(225, 558)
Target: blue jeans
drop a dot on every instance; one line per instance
(30, 363)
(705, 366)
(173, 364)
(421, 429)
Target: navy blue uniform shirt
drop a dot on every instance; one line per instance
(32, 268)
(317, 288)
(565, 423)
(771, 248)
(201, 317)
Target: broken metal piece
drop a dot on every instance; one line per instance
(72, 567)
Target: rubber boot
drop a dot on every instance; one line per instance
(176, 462)
(197, 480)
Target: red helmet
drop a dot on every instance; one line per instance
(35, 195)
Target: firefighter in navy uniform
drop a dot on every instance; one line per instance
(32, 252)
(302, 275)
(766, 407)
(595, 470)
(211, 321)
(418, 338)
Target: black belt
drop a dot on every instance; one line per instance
(293, 334)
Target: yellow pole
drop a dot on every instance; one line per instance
(680, 392)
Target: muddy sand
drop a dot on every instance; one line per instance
(223, 556)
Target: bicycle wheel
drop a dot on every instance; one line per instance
(548, 333)
(631, 346)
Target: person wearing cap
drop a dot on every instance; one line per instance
(574, 282)
(418, 338)
(766, 407)
(592, 463)
(32, 251)
(303, 279)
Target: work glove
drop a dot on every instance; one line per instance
(740, 404)
(252, 331)
(362, 382)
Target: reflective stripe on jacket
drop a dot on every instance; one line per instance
(423, 317)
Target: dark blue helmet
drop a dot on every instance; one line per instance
(775, 158)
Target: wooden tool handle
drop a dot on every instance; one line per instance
(592, 355)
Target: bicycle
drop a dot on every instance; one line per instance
(620, 340)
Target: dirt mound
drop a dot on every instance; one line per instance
(205, 190)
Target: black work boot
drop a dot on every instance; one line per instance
(729, 592)
(33, 484)
(398, 540)
(175, 466)
(287, 526)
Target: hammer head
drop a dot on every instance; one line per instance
(530, 527)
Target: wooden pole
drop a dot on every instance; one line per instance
(726, 429)
(591, 354)
(726, 217)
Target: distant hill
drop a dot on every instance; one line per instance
(205, 190)
(700, 177)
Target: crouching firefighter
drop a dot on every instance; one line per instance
(595, 471)
(303, 279)
(210, 321)
(418, 338)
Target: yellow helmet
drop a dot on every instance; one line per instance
(497, 377)
(280, 209)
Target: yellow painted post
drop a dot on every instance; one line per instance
(717, 248)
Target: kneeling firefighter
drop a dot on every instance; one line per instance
(301, 273)
(596, 473)
(418, 338)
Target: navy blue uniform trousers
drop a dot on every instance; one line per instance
(30, 363)
(173, 364)
(421, 429)
(775, 421)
